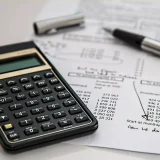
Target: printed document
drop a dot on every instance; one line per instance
(118, 83)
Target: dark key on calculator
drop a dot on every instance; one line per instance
(36, 103)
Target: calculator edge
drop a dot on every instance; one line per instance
(73, 132)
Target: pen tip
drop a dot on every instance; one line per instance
(109, 30)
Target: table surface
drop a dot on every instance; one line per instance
(16, 24)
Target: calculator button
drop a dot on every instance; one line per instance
(32, 103)
(75, 110)
(1, 110)
(81, 118)
(37, 110)
(59, 88)
(59, 114)
(69, 102)
(65, 123)
(11, 83)
(42, 118)
(47, 127)
(15, 89)
(46, 90)
(4, 118)
(30, 131)
(4, 100)
(48, 99)
(48, 75)
(33, 94)
(36, 77)
(62, 95)
(53, 106)
(21, 114)
(20, 97)
(25, 122)
(7, 127)
(41, 84)
(53, 81)
(15, 107)
(1, 85)
(28, 86)
(3, 92)
(24, 80)
(12, 136)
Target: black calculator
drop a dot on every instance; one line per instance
(36, 103)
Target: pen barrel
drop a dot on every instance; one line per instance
(151, 45)
(131, 38)
(44, 26)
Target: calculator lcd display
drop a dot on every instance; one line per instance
(20, 63)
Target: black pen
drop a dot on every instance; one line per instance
(139, 41)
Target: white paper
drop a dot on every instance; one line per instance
(119, 84)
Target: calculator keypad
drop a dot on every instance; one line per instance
(37, 103)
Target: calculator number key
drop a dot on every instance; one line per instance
(32, 103)
(81, 118)
(4, 118)
(15, 107)
(53, 106)
(33, 94)
(48, 99)
(4, 100)
(15, 89)
(25, 122)
(42, 118)
(37, 110)
(21, 114)
(47, 127)
(28, 86)
(46, 90)
(30, 131)
(3, 92)
(65, 123)
(59, 114)
(69, 102)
